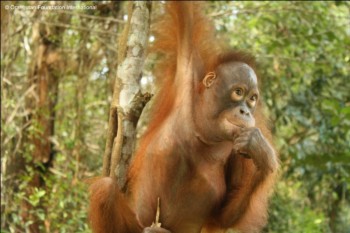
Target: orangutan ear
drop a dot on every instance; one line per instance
(209, 79)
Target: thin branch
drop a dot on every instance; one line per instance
(266, 9)
(18, 132)
(110, 142)
(77, 28)
(107, 44)
(299, 59)
(92, 16)
(19, 101)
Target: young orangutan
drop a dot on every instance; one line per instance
(206, 153)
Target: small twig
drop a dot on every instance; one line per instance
(299, 59)
(77, 28)
(92, 16)
(57, 173)
(19, 101)
(157, 223)
(265, 9)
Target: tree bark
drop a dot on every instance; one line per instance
(127, 102)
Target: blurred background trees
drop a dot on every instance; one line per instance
(57, 72)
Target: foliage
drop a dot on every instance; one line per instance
(61, 205)
(287, 209)
(302, 49)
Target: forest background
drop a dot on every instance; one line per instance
(58, 69)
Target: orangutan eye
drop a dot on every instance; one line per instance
(237, 94)
(252, 100)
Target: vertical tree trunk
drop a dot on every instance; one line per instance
(4, 46)
(127, 102)
(335, 206)
(88, 58)
(110, 49)
(79, 118)
(82, 73)
(44, 72)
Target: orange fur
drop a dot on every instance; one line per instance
(108, 206)
(185, 39)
